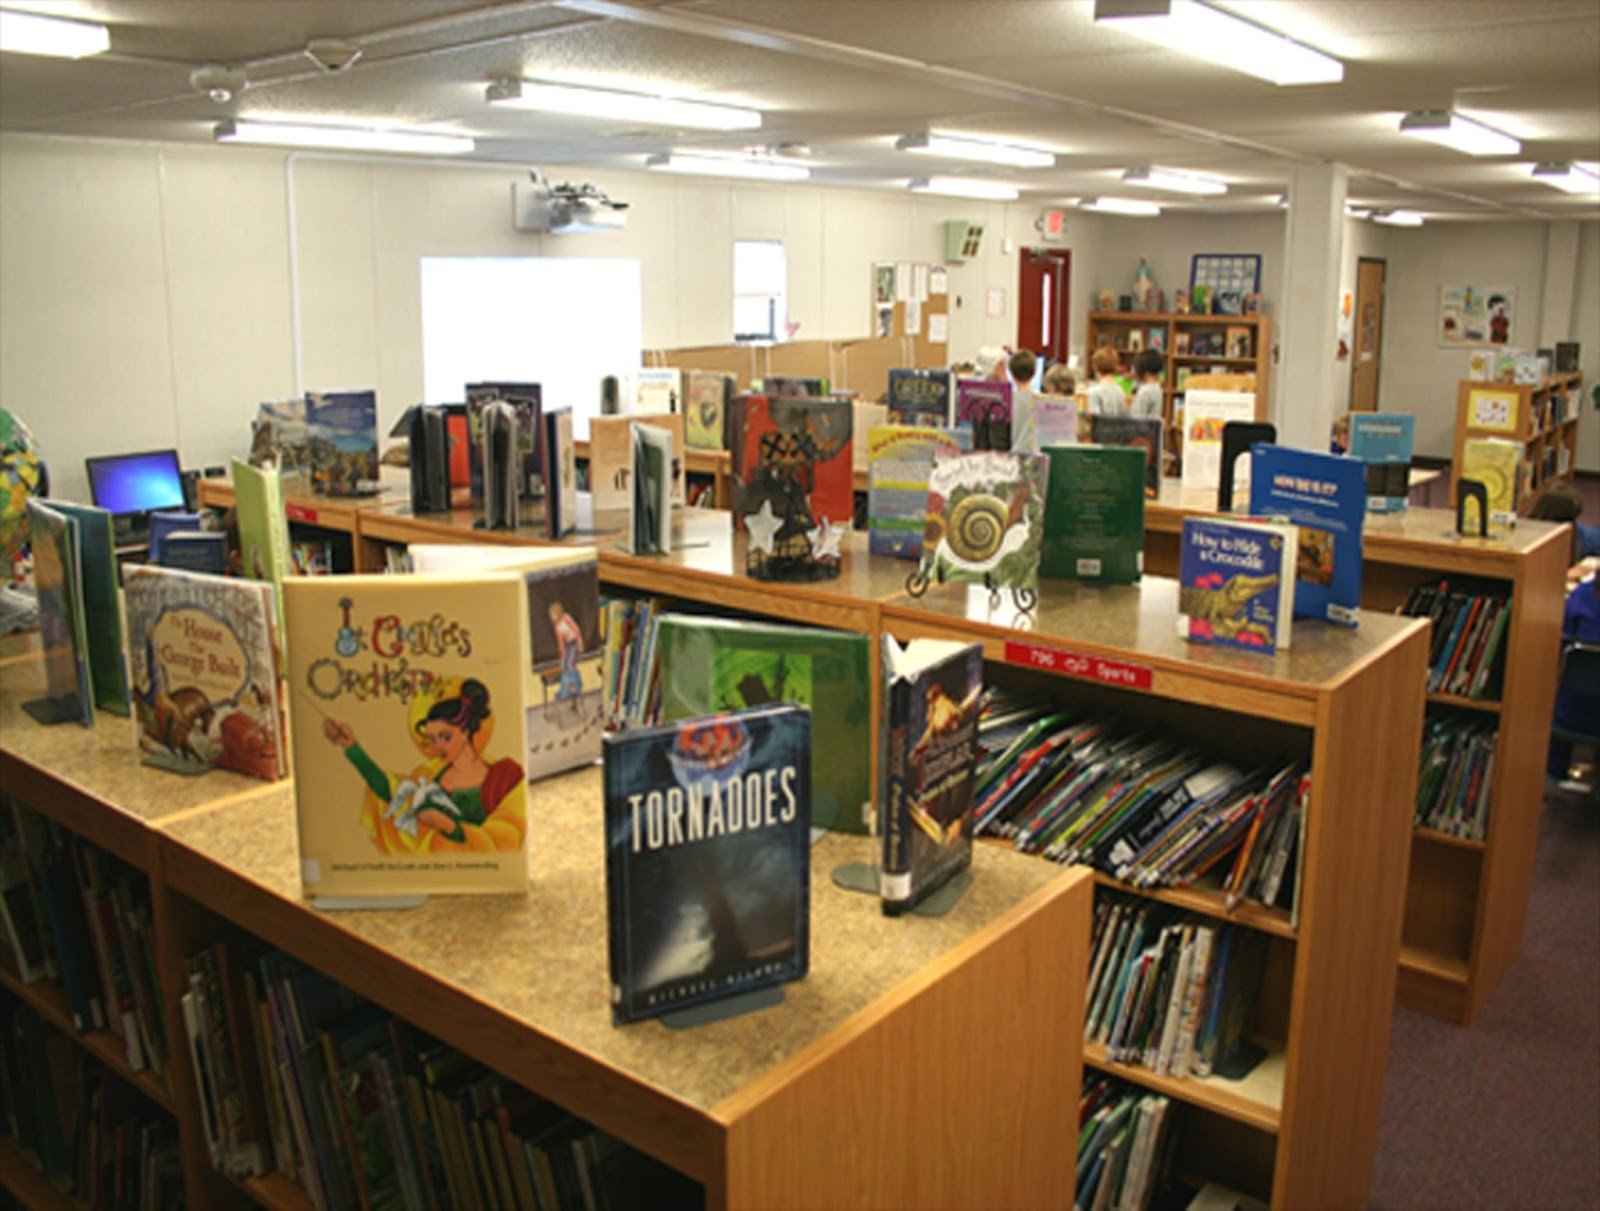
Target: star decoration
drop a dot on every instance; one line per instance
(763, 527)
(825, 539)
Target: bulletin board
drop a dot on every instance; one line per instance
(911, 299)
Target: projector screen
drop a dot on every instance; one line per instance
(561, 322)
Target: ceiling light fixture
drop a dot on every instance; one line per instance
(1567, 176)
(1129, 206)
(981, 151)
(341, 138)
(1450, 129)
(1223, 39)
(1397, 218)
(35, 34)
(965, 187)
(1175, 182)
(585, 102)
(744, 167)
(1357, 212)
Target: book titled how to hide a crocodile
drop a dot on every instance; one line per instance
(1236, 583)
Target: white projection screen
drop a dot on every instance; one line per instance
(561, 322)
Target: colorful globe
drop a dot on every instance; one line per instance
(21, 474)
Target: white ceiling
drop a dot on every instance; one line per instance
(846, 77)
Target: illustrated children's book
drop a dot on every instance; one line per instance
(1055, 420)
(101, 605)
(983, 408)
(205, 672)
(410, 730)
(933, 691)
(656, 390)
(985, 519)
(1383, 441)
(280, 434)
(706, 396)
(524, 400)
(650, 500)
(69, 694)
(1497, 464)
(899, 461)
(794, 455)
(1138, 433)
(921, 397)
(344, 441)
(1094, 514)
(1204, 415)
(708, 859)
(263, 527)
(1236, 583)
(794, 386)
(713, 664)
(1324, 495)
(560, 471)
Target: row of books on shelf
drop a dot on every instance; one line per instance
(1466, 656)
(1455, 777)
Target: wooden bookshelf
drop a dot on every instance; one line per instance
(1542, 417)
(1115, 328)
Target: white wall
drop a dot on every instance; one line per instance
(1586, 331)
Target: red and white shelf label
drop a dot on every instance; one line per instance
(1081, 665)
(303, 513)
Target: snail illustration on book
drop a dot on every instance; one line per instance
(985, 530)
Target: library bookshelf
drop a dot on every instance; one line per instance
(1180, 335)
(1300, 1129)
(1541, 417)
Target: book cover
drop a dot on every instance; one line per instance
(795, 386)
(101, 603)
(409, 731)
(1497, 464)
(196, 551)
(983, 408)
(794, 455)
(650, 501)
(1236, 583)
(921, 397)
(708, 859)
(933, 690)
(657, 390)
(1383, 441)
(63, 637)
(1138, 433)
(714, 664)
(205, 672)
(1204, 414)
(263, 527)
(899, 461)
(281, 433)
(344, 441)
(560, 471)
(1324, 496)
(525, 402)
(1055, 420)
(706, 396)
(1094, 514)
(985, 519)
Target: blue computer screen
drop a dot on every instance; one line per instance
(136, 483)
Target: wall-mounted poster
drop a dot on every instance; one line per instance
(883, 284)
(1492, 409)
(1228, 278)
(1476, 315)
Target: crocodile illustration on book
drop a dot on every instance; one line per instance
(1224, 607)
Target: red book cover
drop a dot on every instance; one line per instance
(795, 455)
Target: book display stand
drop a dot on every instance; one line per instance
(723, 1010)
(863, 878)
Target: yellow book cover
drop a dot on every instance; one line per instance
(1495, 463)
(408, 714)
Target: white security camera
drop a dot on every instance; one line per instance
(332, 54)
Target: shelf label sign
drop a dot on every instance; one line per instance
(303, 513)
(1081, 665)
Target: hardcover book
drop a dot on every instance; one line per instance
(1055, 420)
(263, 527)
(899, 461)
(409, 731)
(524, 400)
(1236, 583)
(560, 471)
(985, 519)
(714, 664)
(1204, 415)
(706, 394)
(100, 604)
(933, 690)
(610, 462)
(1497, 464)
(63, 637)
(708, 859)
(344, 441)
(794, 455)
(205, 672)
(983, 408)
(921, 397)
(280, 433)
(650, 501)
(1138, 433)
(1324, 496)
(656, 390)
(1383, 441)
(1094, 514)
(794, 386)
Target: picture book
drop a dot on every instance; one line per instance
(985, 519)
(650, 500)
(560, 473)
(983, 407)
(657, 389)
(706, 396)
(714, 664)
(1383, 441)
(1324, 495)
(933, 691)
(428, 447)
(409, 731)
(195, 551)
(63, 637)
(1497, 464)
(864, 417)
(1138, 433)
(1055, 420)
(525, 402)
(794, 386)
(263, 527)
(921, 397)
(1094, 514)
(708, 859)
(794, 455)
(344, 441)
(1236, 583)
(281, 434)
(101, 604)
(562, 689)
(501, 472)
(610, 461)
(1205, 412)
(899, 461)
(206, 667)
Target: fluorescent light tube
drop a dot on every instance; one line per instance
(956, 147)
(1222, 38)
(1175, 182)
(965, 187)
(35, 34)
(1133, 206)
(728, 166)
(587, 102)
(343, 138)
(1357, 212)
(1567, 177)
(1450, 129)
(1397, 218)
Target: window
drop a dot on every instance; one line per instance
(760, 277)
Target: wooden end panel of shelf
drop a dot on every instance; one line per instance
(939, 1059)
(1354, 859)
(1432, 985)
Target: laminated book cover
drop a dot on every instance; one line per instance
(985, 519)
(656, 390)
(102, 604)
(1094, 514)
(1137, 433)
(1236, 583)
(524, 399)
(899, 461)
(708, 859)
(410, 732)
(560, 470)
(983, 408)
(794, 455)
(1497, 464)
(344, 441)
(797, 386)
(1055, 420)
(706, 396)
(933, 691)
(280, 430)
(715, 664)
(264, 547)
(63, 639)
(1383, 441)
(1204, 415)
(1325, 497)
(205, 672)
(921, 397)
(650, 500)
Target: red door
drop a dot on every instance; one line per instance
(1043, 283)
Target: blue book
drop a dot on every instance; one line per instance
(1383, 441)
(344, 441)
(1236, 583)
(1324, 495)
(921, 397)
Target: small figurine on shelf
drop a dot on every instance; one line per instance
(1180, 302)
(1144, 285)
(1200, 298)
(1108, 300)
(1252, 303)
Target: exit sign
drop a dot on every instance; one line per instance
(1053, 224)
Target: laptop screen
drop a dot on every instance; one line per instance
(136, 483)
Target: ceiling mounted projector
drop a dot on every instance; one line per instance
(564, 209)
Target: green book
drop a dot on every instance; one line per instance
(263, 527)
(102, 605)
(714, 664)
(1094, 514)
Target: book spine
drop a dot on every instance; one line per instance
(895, 882)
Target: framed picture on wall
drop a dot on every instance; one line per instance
(1477, 315)
(1227, 274)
